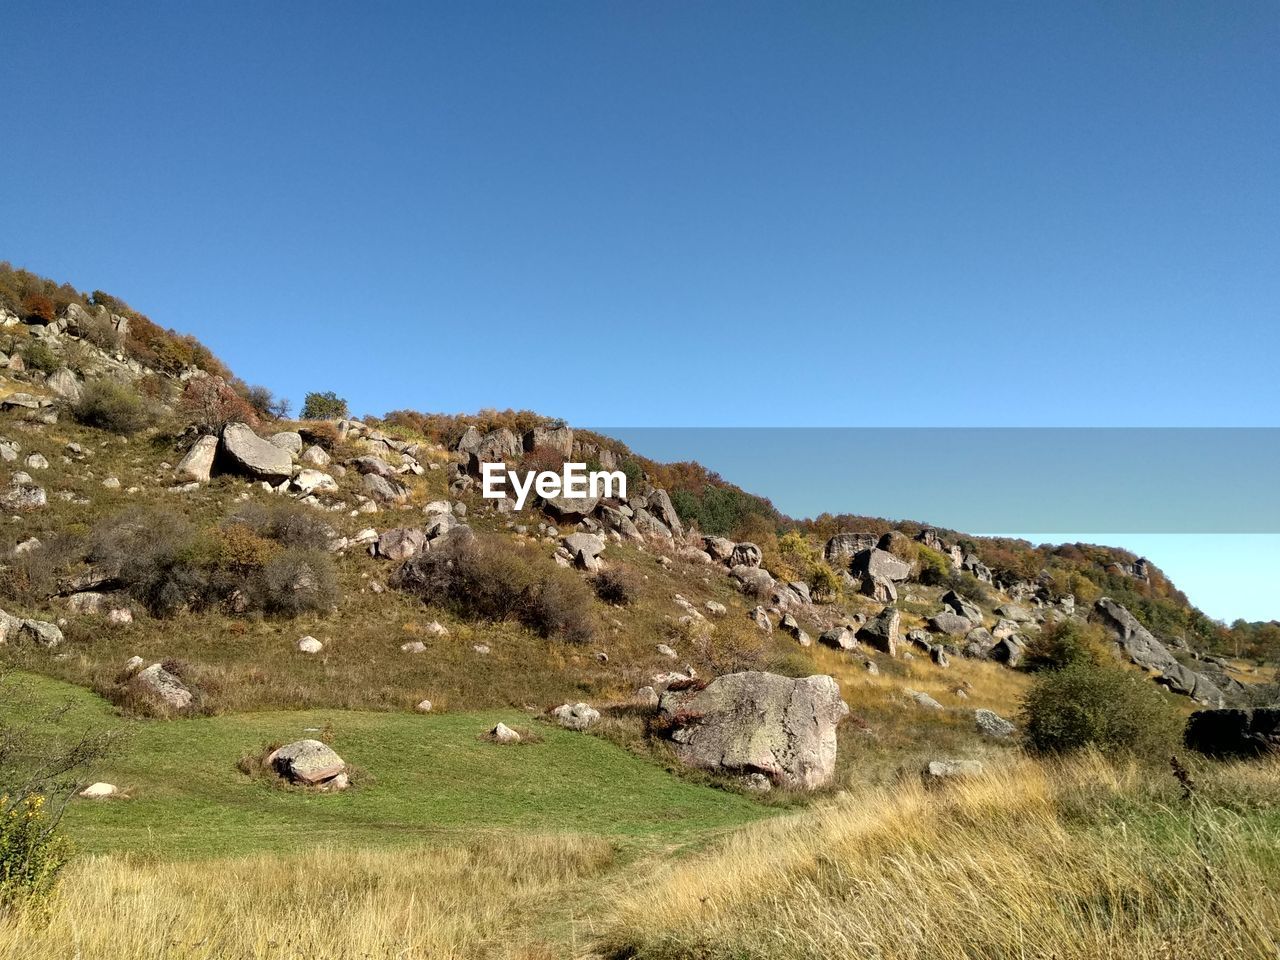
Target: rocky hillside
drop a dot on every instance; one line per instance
(178, 545)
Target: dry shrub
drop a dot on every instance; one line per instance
(287, 523)
(209, 404)
(113, 406)
(616, 585)
(485, 578)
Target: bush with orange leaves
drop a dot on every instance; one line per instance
(209, 404)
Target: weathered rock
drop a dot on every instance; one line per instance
(962, 606)
(197, 465)
(310, 645)
(99, 791)
(950, 623)
(879, 565)
(424, 706)
(941, 771)
(401, 543)
(158, 682)
(40, 632)
(575, 716)
(923, 700)
(844, 546)
(760, 617)
(384, 490)
(307, 762)
(375, 466)
(584, 548)
(316, 456)
(246, 452)
(1008, 650)
(1146, 651)
(660, 506)
(21, 496)
(504, 734)
(840, 638)
(570, 509)
(991, 724)
(1235, 733)
(754, 581)
(745, 555)
(1015, 612)
(881, 632)
(314, 481)
(287, 440)
(758, 722)
(715, 608)
(559, 439)
(789, 625)
(720, 549)
(1004, 629)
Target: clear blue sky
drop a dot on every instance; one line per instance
(675, 213)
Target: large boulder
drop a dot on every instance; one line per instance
(745, 555)
(881, 631)
(384, 490)
(1141, 646)
(962, 606)
(1235, 733)
(570, 509)
(197, 465)
(288, 440)
(559, 439)
(400, 543)
(246, 452)
(757, 722)
(951, 623)
(159, 683)
(660, 506)
(310, 763)
(844, 546)
(880, 565)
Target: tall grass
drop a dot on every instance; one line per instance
(475, 900)
(1073, 860)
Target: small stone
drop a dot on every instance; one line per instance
(99, 791)
(310, 645)
(414, 646)
(424, 706)
(504, 734)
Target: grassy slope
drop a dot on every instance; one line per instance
(425, 778)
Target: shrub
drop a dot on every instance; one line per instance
(1062, 644)
(265, 403)
(934, 567)
(102, 333)
(288, 524)
(38, 355)
(295, 581)
(38, 306)
(31, 851)
(111, 405)
(209, 405)
(161, 561)
(616, 586)
(486, 579)
(37, 777)
(323, 406)
(1104, 706)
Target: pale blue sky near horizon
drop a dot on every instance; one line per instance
(721, 214)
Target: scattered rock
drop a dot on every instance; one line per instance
(991, 724)
(575, 716)
(310, 645)
(424, 706)
(197, 465)
(504, 734)
(160, 683)
(881, 632)
(99, 791)
(941, 771)
(246, 452)
(923, 699)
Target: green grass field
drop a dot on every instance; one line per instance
(422, 778)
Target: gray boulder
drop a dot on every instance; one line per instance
(307, 762)
(961, 606)
(197, 465)
(745, 555)
(839, 638)
(570, 509)
(384, 490)
(991, 724)
(881, 632)
(400, 543)
(939, 772)
(880, 565)
(248, 453)
(575, 716)
(158, 682)
(288, 440)
(844, 546)
(950, 623)
(757, 722)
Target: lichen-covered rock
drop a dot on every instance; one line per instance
(197, 465)
(757, 722)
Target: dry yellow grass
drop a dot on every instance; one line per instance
(1033, 861)
(481, 900)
